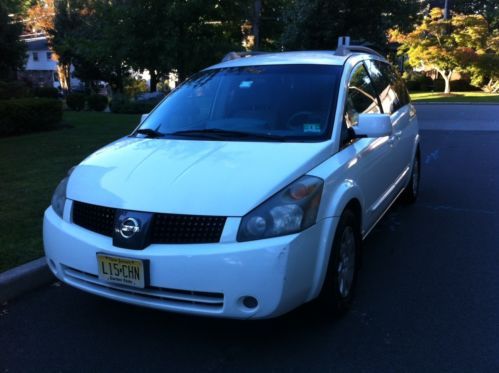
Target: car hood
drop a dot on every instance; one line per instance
(191, 177)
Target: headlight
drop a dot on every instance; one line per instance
(291, 210)
(59, 196)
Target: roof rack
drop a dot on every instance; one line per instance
(344, 48)
(235, 55)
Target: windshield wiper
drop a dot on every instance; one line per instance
(148, 132)
(219, 133)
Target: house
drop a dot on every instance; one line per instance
(41, 65)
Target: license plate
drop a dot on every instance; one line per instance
(123, 271)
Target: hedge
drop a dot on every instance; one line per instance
(75, 101)
(47, 92)
(97, 102)
(15, 89)
(29, 115)
(122, 105)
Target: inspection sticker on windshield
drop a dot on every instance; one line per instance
(246, 84)
(311, 127)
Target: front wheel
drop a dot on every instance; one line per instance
(410, 194)
(337, 291)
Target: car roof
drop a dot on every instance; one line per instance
(287, 58)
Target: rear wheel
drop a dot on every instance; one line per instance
(410, 194)
(341, 277)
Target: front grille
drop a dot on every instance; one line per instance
(98, 219)
(161, 297)
(165, 228)
(169, 228)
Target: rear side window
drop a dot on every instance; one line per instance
(389, 86)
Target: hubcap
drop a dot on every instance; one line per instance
(346, 265)
(415, 177)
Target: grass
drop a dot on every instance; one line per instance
(472, 97)
(32, 165)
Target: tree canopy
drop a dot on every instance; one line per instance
(446, 45)
(12, 49)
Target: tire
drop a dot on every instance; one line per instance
(339, 286)
(411, 192)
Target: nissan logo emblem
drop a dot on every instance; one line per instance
(129, 227)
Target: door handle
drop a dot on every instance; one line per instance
(397, 134)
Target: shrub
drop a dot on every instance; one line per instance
(29, 115)
(47, 92)
(120, 104)
(75, 101)
(97, 102)
(16, 89)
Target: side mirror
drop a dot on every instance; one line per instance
(373, 125)
(143, 118)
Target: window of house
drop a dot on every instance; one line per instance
(35, 56)
(49, 56)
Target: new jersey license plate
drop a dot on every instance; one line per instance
(123, 271)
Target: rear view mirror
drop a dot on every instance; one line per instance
(373, 125)
(143, 118)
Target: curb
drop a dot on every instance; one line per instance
(24, 278)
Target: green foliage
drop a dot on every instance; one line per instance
(47, 92)
(134, 86)
(29, 115)
(316, 24)
(14, 89)
(75, 101)
(12, 50)
(446, 45)
(122, 105)
(97, 102)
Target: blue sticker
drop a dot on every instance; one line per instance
(246, 84)
(312, 127)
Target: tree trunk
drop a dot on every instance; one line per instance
(153, 81)
(447, 85)
(446, 75)
(256, 23)
(64, 77)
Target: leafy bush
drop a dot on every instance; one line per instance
(29, 115)
(15, 89)
(120, 104)
(75, 101)
(97, 102)
(47, 92)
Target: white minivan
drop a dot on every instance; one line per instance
(246, 192)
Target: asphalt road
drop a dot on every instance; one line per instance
(428, 297)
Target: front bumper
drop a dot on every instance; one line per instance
(203, 279)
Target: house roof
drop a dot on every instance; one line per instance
(37, 44)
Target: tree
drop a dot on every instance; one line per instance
(12, 50)
(447, 46)
(316, 24)
(485, 72)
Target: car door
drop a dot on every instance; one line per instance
(394, 101)
(374, 161)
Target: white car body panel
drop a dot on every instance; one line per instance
(231, 178)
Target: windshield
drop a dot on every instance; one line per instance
(284, 102)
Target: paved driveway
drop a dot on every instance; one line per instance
(457, 117)
(428, 297)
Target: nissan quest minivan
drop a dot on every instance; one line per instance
(246, 192)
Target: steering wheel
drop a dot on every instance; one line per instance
(306, 115)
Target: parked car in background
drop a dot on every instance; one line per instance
(247, 192)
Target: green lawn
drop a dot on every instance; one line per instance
(455, 97)
(30, 168)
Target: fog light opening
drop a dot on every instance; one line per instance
(250, 302)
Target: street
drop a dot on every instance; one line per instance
(427, 297)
